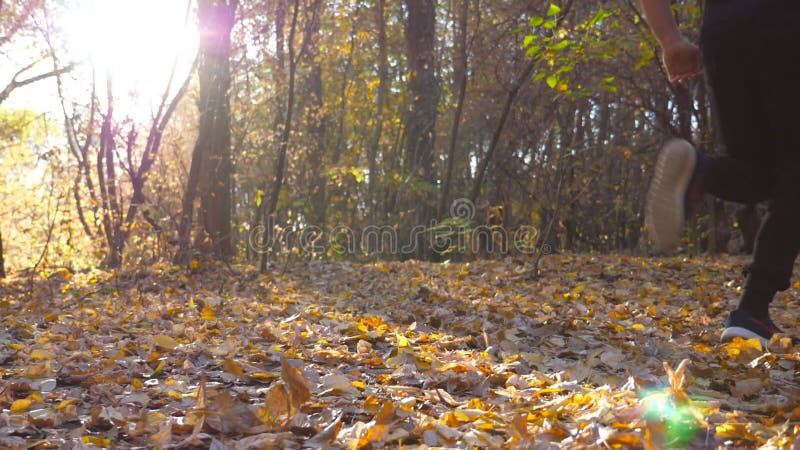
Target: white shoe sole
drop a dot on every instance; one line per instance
(664, 212)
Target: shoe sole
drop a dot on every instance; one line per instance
(733, 332)
(664, 213)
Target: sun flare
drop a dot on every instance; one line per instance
(133, 41)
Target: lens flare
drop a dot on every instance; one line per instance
(678, 420)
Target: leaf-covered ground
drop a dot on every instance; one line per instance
(599, 351)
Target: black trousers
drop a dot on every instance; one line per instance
(751, 50)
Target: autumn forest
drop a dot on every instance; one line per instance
(247, 224)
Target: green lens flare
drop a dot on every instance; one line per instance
(680, 421)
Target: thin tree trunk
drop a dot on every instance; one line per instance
(106, 174)
(278, 99)
(383, 87)
(460, 75)
(338, 147)
(283, 145)
(317, 118)
(2, 258)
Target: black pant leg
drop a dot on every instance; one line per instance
(777, 35)
(752, 61)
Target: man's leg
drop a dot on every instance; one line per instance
(746, 174)
(777, 33)
(754, 73)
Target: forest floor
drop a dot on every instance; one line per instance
(600, 351)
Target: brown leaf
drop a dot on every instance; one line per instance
(299, 390)
(327, 435)
(197, 415)
(233, 367)
(277, 404)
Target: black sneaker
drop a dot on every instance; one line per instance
(674, 187)
(742, 324)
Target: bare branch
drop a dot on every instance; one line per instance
(15, 83)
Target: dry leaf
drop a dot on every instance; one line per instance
(299, 390)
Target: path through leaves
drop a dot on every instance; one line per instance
(612, 351)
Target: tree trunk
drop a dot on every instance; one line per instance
(460, 77)
(383, 86)
(420, 39)
(2, 258)
(107, 177)
(317, 118)
(211, 170)
(286, 132)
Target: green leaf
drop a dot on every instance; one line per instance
(553, 10)
(600, 16)
(536, 21)
(609, 79)
(552, 81)
(259, 197)
(565, 69)
(560, 46)
(648, 53)
(528, 40)
(550, 24)
(535, 50)
(539, 76)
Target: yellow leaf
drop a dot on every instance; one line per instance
(14, 346)
(137, 383)
(402, 341)
(467, 415)
(175, 394)
(66, 403)
(702, 348)
(194, 264)
(359, 384)
(372, 403)
(96, 440)
(21, 405)
(734, 431)
(41, 355)
(165, 342)
(264, 376)
(208, 314)
(744, 349)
